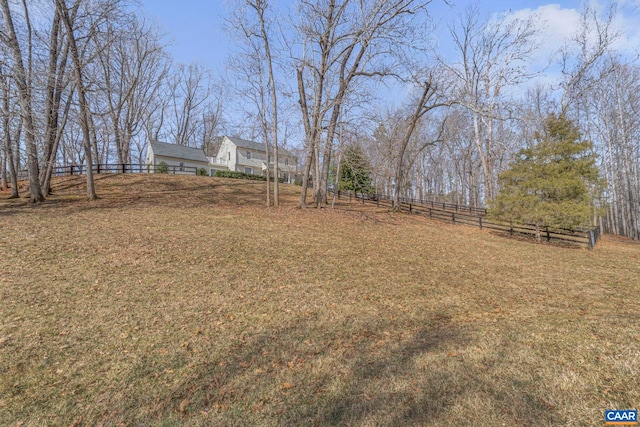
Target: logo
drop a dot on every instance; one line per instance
(627, 417)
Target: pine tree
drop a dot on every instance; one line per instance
(355, 171)
(551, 184)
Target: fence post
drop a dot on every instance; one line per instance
(71, 170)
(98, 165)
(349, 195)
(430, 216)
(453, 217)
(410, 208)
(592, 242)
(511, 228)
(480, 222)
(548, 235)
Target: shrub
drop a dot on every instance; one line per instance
(239, 175)
(162, 167)
(242, 175)
(201, 172)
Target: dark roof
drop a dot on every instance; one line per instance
(243, 143)
(165, 149)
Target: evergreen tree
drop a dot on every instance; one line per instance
(551, 184)
(355, 171)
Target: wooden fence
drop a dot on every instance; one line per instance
(117, 168)
(448, 212)
(477, 217)
(124, 168)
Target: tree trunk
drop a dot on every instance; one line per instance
(55, 88)
(274, 106)
(267, 171)
(309, 140)
(483, 159)
(8, 144)
(82, 100)
(24, 92)
(411, 125)
(56, 143)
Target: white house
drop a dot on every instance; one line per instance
(234, 154)
(180, 159)
(240, 155)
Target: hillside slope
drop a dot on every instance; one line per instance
(184, 300)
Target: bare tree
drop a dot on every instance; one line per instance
(591, 43)
(253, 70)
(57, 82)
(191, 89)
(493, 55)
(599, 91)
(261, 32)
(610, 114)
(21, 78)
(9, 156)
(427, 101)
(342, 42)
(132, 66)
(66, 15)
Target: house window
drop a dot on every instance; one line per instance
(286, 162)
(248, 171)
(181, 166)
(248, 155)
(229, 153)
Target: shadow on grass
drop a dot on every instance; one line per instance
(116, 191)
(305, 374)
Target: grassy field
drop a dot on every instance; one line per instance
(183, 301)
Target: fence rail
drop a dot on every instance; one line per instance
(448, 212)
(124, 168)
(471, 216)
(117, 168)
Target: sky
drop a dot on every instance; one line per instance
(195, 28)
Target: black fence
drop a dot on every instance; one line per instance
(477, 217)
(119, 168)
(448, 212)
(125, 168)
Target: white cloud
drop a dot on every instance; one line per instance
(626, 24)
(558, 26)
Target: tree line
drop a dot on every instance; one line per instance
(434, 111)
(89, 81)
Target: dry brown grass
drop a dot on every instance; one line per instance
(182, 301)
